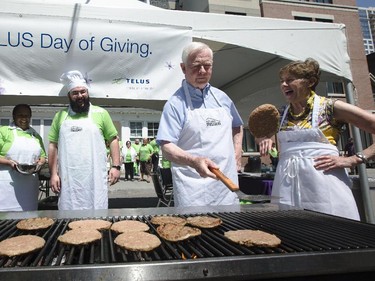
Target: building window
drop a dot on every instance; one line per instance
(303, 18)
(35, 123)
(152, 128)
(335, 89)
(46, 127)
(4, 122)
(322, 1)
(135, 130)
(248, 142)
(323, 20)
(235, 13)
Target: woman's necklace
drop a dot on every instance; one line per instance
(305, 111)
(300, 115)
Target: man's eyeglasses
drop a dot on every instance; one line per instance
(197, 67)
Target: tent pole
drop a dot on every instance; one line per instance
(363, 178)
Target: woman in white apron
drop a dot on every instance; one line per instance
(310, 172)
(19, 144)
(298, 183)
(213, 142)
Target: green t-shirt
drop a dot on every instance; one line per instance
(155, 146)
(99, 115)
(145, 152)
(7, 138)
(136, 147)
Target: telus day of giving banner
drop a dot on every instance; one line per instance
(119, 59)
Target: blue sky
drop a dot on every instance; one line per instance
(366, 3)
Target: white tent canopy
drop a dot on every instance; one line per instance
(249, 51)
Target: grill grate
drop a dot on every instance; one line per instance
(300, 232)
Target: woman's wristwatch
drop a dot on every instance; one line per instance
(362, 157)
(118, 167)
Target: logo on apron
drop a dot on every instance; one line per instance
(211, 122)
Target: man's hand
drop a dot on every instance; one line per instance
(201, 164)
(54, 183)
(114, 176)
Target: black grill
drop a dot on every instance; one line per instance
(305, 235)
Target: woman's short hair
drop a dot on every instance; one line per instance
(308, 69)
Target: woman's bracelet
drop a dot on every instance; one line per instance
(362, 157)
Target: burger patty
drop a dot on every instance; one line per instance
(129, 226)
(159, 220)
(137, 241)
(20, 245)
(175, 232)
(90, 224)
(80, 236)
(264, 121)
(204, 221)
(251, 238)
(35, 223)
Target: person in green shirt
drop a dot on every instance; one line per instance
(129, 155)
(77, 155)
(145, 152)
(155, 155)
(136, 145)
(20, 144)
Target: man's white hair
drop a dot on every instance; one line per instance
(193, 47)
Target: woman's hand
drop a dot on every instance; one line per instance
(265, 144)
(330, 162)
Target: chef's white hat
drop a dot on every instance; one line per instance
(73, 79)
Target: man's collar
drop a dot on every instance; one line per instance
(196, 90)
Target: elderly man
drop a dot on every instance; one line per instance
(200, 128)
(77, 150)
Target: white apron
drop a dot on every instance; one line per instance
(19, 192)
(298, 183)
(82, 165)
(207, 133)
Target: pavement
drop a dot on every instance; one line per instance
(131, 189)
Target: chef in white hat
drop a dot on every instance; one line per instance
(77, 152)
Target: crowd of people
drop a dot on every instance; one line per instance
(200, 129)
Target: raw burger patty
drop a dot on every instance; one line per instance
(264, 121)
(159, 220)
(137, 241)
(175, 232)
(129, 226)
(80, 236)
(19, 245)
(34, 223)
(90, 224)
(204, 221)
(250, 238)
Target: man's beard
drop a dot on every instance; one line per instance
(77, 108)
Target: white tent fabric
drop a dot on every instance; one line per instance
(249, 51)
